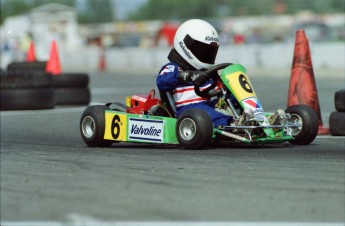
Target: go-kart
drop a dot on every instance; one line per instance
(147, 119)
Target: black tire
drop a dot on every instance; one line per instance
(25, 79)
(69, 80)
(337, 123)
(307, 116)
(72, 96)
(28, 66)
(92, 126)
(27, 99)
(339, 100)
(194, 129)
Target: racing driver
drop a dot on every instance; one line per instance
(195, 49)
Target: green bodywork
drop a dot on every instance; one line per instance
(121, 126)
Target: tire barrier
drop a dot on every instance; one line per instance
(72, 96)
(71, 88)
(68, 88)
(27, 66)
(70, 80)
(25, 79)
(26, 90)
(337, 118)
(25, 84)
(339, 100)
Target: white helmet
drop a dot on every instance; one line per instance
(197, 42)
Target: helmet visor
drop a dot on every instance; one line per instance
(206, 53)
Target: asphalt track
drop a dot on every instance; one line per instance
(49, 175)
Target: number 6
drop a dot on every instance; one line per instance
(245, 84)
(115, 127)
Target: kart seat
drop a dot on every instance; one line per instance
(168, 102)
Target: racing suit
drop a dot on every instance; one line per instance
(184, 95)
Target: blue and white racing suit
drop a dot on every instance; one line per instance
(184, 94)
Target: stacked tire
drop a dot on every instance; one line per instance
(337, 118)
(68, 88)
(27, 66)
(71, 89)
(26, 90)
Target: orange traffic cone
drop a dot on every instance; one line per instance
(101, 62)
(302, 88)
(30, 55)
(53, 64)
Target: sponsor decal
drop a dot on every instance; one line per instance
(146, 130)
(139, 98)
(183, 47)
(211, 39)
(167, 69)
(258, 111)
(254, 104)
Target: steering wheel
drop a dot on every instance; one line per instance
(210, 73)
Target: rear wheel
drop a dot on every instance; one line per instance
(307, 117)
(92, 126)
(194, 129)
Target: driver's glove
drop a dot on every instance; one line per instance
(196, 77)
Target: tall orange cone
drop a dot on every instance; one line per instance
(53, 64)
(30, 55)
(101, 62)
(302, 88)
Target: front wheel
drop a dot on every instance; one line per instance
(307, 117)
(194, 129)
(92, 125)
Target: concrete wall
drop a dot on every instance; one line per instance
(325, 56)
(277, 56)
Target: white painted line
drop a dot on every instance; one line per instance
(330, 137)
(163, 223)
